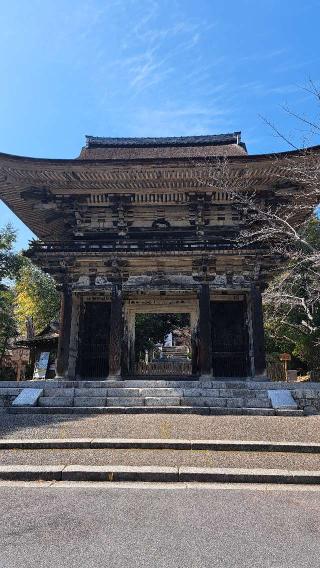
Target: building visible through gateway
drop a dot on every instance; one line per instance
(133, 226)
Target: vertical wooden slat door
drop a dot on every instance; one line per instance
(230, 357)
(93, 354)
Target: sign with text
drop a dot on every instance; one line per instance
(285, 357)
(41, 365)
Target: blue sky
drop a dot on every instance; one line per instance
(152, 68)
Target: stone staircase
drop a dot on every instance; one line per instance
(158, 394)
(143, 396)
(218, 397)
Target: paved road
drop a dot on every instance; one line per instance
(303, 429)
(158, 527)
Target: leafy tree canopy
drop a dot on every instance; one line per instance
(153, 328)
(36, 297)
(10, 261)
(292, 307)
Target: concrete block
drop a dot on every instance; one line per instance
(200, 401)
(248, 475)
(232, 393)
(56, 401)
(90, 401)
(309, 394)
(31, 473)
(282, 400)
(119, 473)
(288, 412)
(118, 392)
(28, 397)
(58, 391)
(45, 443)
(143, 383)
(125, 401)
(257, 403)
(162, 401)
(161, 392)
(93, 384)
(192, 392)
(201, 392)
(140, 443)
(235, 402)
(260, 412)
(210, 393)
(88, 392)
(9, 391)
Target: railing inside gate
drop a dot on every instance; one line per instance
(164, 368)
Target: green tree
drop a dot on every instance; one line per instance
(36, 297)
(10, 263)
(153, 328)
(292, 305)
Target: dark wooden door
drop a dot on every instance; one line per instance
(229, 339)
(94, 333)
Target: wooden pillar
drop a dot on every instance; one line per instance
(74, 337)
(194, 325)
(205, 339)
(116, 333)
(64, 332)
(128, 355)
(257, 339)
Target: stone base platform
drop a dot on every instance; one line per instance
(215, 397)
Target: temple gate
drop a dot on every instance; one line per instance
(134, 226)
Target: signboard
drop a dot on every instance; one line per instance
(41, 365)
(285, 357)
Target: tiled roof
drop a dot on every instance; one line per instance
(208, 140)
(156, 148)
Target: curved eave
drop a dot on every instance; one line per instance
(4, 158)
(74, 176)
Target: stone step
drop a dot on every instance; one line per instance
(56, 391)
(90, 401)
(86, 392)
(213, 411)
(117, 392)
(137, 401)
(125, 401)
(164, 457)
(55, 401)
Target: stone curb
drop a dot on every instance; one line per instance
(160, 444)
(203, 410)
(155, 474)
(211, 475)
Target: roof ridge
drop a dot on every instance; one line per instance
(206, 139)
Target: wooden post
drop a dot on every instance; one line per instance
(205, 339)
(64, 332)
(74, 337)
(257, 333)
(127, 364)
(116, 333)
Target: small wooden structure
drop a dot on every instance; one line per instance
(44, 342)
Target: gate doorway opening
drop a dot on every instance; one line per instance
(163, 344)
(94, 337)
(230, 341)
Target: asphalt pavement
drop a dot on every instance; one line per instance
(303, 429)
(159, 527)
(168, 458)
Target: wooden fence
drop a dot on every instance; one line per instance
(164, 368)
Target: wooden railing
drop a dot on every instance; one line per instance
(165, 368)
